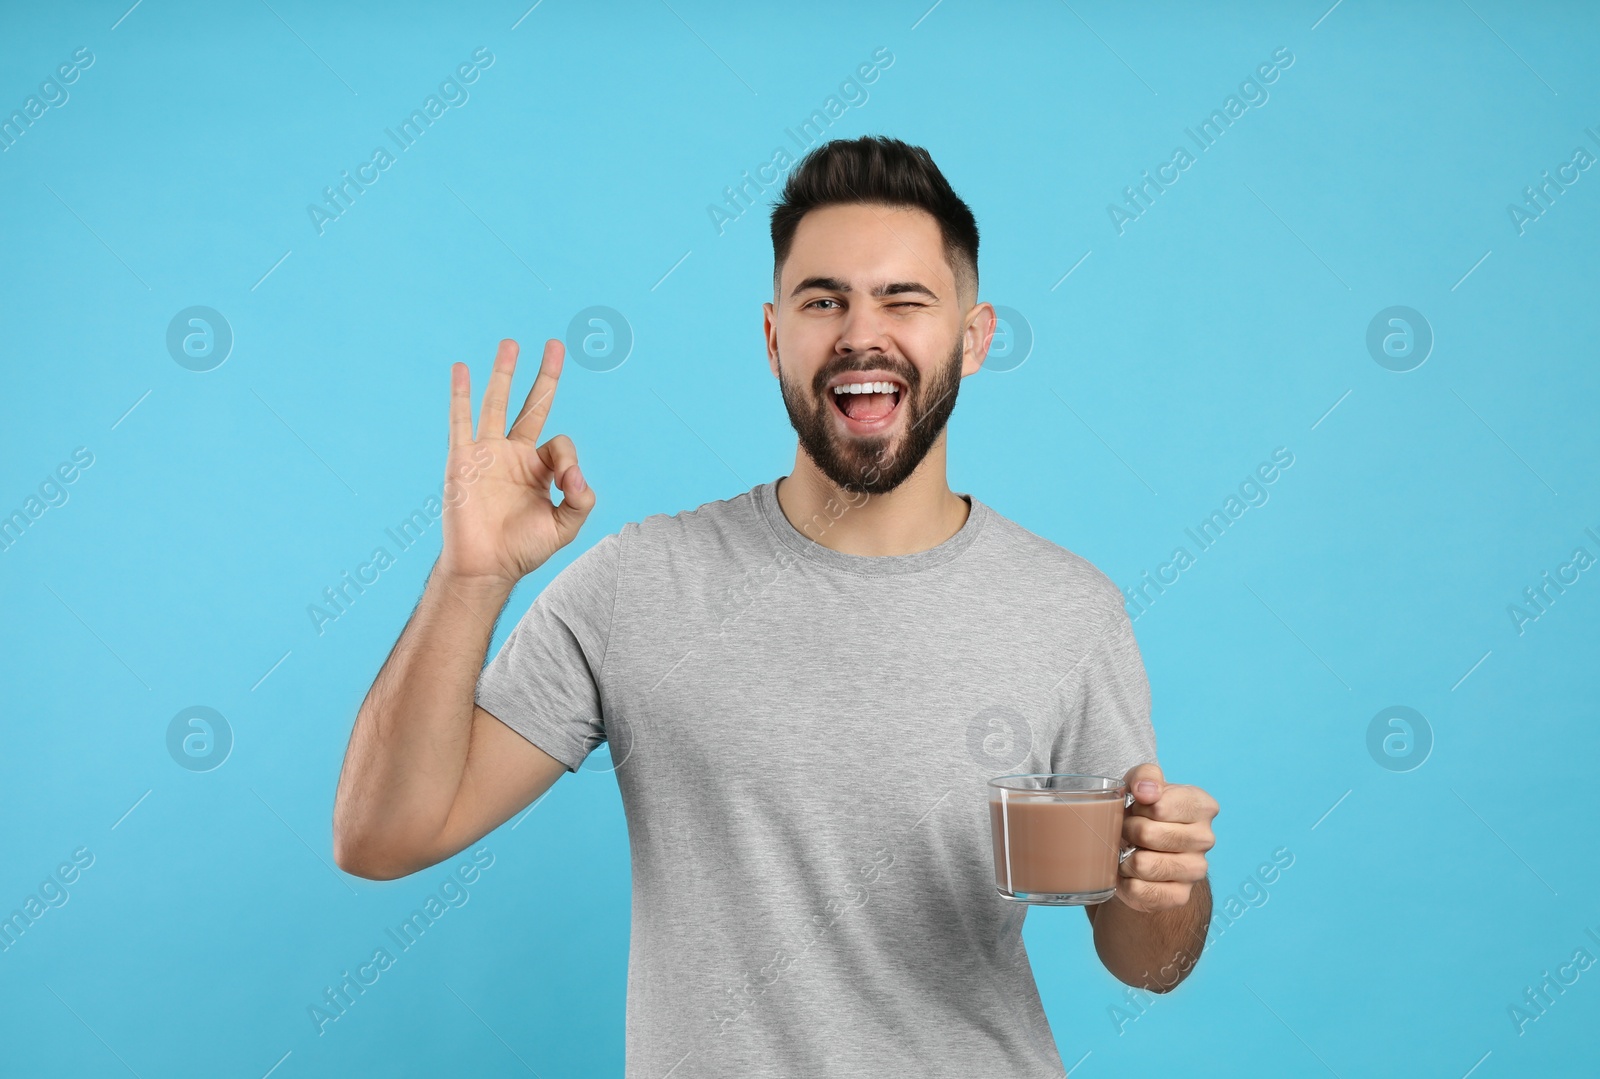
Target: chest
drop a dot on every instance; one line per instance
(833, 685)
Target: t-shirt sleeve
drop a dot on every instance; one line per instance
(1107, 729)
(545, 682)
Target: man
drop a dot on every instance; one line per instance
(805, 687)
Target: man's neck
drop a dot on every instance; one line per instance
(919, 514)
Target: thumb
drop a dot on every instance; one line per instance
(1146, 782)
(577, 499)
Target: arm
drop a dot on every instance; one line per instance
(1152, 931)
(1153, 950)
(428, 771)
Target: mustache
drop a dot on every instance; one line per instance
(906, 372)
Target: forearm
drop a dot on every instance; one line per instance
(408, 748)
(1153, 951)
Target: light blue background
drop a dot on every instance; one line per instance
(1224, 323)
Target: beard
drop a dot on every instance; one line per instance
(874, 464)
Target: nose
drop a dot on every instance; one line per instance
(862, 330)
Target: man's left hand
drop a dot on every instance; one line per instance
(1170, 823)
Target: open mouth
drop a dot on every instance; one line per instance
(874, 407)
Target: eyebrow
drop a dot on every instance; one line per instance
(893, 288)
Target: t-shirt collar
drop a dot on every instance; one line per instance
(801, 544)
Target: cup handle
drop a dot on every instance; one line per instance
(1127, 801)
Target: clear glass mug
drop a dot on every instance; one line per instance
(1058, 836)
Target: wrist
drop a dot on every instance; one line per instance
(476, 591)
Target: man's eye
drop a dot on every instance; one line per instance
(823, 299)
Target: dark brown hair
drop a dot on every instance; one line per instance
(876, 169)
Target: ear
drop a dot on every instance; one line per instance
(976, 337)
(769, 330)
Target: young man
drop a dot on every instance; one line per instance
(805, 687)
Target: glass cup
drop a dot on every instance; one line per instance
(1057, 837)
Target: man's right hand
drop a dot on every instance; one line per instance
(500, 523)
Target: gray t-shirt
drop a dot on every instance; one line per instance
(802, 739)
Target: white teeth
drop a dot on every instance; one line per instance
(866, 387)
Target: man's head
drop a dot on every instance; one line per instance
(875, 279)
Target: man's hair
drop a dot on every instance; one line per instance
(877, 169)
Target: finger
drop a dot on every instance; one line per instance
(1145, 895)
(492, 417)
(460, 405)
(1178, 802)
(577, 497)
(1145, 781)
(1161, 866)
(530, 421)
(1152, 835)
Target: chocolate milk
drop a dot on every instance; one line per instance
(1056, 845)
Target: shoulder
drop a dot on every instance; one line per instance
(1067, 580)
(714, 523)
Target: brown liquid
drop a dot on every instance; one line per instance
(1056, 845)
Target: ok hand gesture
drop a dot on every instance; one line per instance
(505, 525)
